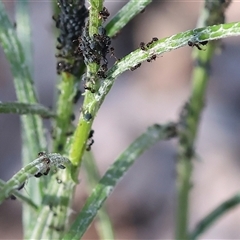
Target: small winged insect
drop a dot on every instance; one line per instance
(197, 44)
(38, 167)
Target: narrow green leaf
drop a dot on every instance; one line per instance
(125, 15)
(25, 108)
(114, 175)
(211, 218)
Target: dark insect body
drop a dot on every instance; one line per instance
(197, 44)
(104, 14)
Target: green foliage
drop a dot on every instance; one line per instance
(52, 199)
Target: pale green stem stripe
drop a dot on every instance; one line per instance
(25, 108)
(114, 175)
(211, 218)
(125, 15)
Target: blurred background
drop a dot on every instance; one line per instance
(143, 204)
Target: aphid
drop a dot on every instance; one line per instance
(102, 31)
(142, 46)
(21, 187)
(154, 57)
(87, 116)
(47, 171)
(60, 147)
(12, 197)
(154, 39)
(89, 89)
(41, 154)
(57, 229)
(89, 144)
(38, 175)
(91, 133)
(101, 74)
(72, 117)
(61, 166)
(135, 67)
(104, 14)
(77, 96)
(104, 67)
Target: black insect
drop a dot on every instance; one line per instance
(21, 186)
(135, 67)
(142, 46)
(77, 96)
(104, 14)
(89, 145)
(153, 57)
(196, 44)
(60, 147)
(38, 175)
(87, 116)
(41, 154)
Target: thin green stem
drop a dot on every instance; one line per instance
(125, 15)
(211, 218)
(165, 45)
(189, 123)
(89, 107)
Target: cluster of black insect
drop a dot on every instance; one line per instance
(144, 47)
(70, 21)
(96, 48)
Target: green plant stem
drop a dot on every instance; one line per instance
(114, 174)
(103, 223)
(224, 207)
(21, 197)
(25, 108)
(165, 45)
(56, 194)
(187, 135)
(125, 15)
(90, 107)
(67, 88)
(190, 119)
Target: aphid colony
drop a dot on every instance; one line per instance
(70, 22)
(39, 167)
